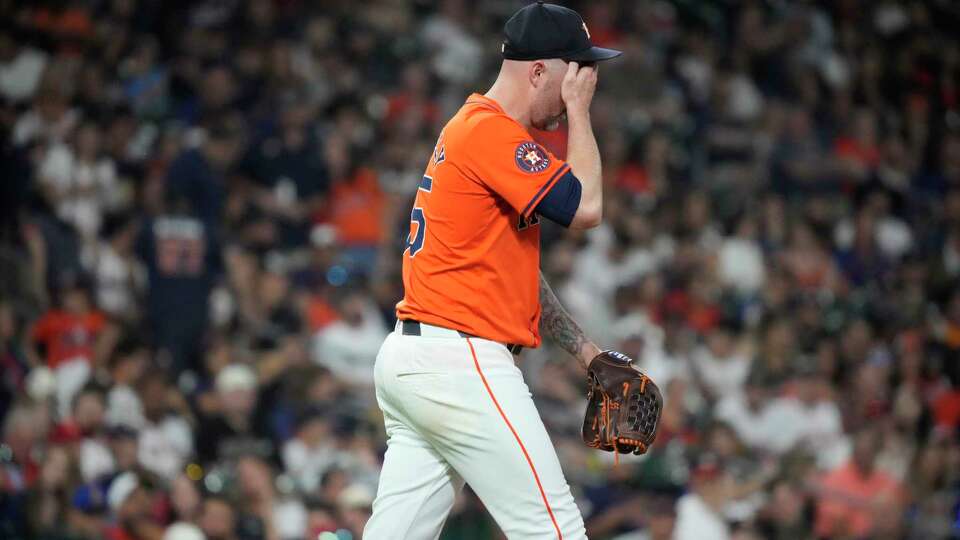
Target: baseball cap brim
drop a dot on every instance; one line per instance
(594, 54)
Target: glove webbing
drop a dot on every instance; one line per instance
(604, 421)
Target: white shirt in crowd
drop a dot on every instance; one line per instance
(723, 376)
(19, 77)
(165, 446)
(116, 280)
(32, 127)
(653, 360)
(697, 521)
(124, 407)
(96, 460)
(456, 51)
(785, 423)
(892, 235)
(351, 351)
(290, 518)
(816, 427)
(751, 425)
(595, 277)
(96, 183)
(307, 464)
(598, 273)
(741, 265)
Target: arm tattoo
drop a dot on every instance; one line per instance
(557, 324)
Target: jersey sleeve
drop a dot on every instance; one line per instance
(502, 156)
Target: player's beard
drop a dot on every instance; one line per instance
(553, 123)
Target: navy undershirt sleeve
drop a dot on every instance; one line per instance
(561, 202)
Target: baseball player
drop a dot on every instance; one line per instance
(455, 405)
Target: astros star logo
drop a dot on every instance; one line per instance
(531, 157)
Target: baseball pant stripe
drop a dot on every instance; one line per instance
(523, 448)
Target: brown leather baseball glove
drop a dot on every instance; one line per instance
(624, 405)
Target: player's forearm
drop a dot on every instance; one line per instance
(558, 325)
(583, 156)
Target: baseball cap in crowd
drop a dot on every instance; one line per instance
(183, 531)
(235, 377)
(355, 496)
(541, 31)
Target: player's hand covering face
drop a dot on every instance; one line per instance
(547, 109)
(579, 83)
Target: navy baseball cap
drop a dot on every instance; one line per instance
(541, 31)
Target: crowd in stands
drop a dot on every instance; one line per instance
(203, 206)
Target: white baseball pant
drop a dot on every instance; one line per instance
(457, 409)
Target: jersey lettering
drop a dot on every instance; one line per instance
(181, 247)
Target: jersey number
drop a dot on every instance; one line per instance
(181, 257)
(415, 241)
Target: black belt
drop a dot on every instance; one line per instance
(412, 328)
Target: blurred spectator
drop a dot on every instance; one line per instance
(290, 178)
(197, 175)
(120, 278)
(75, 339)
(348, 346)
(218, 519)
(699, 513)
(265, 513)
(86, 429)
(182, 257)
(354, 507)
(455, 49)
(129, 504)
(355, 209)
(49, 121)
(79, 181)
(183, 531)
(811, 419)
(310, 454)
(166, 435)
(786, 514)
(238, 427)
(857, 499)
(21, 67)
(721, 367)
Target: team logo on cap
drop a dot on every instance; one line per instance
(531, 157)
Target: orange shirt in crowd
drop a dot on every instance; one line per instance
(633, 178)
(68, 335)
(319, 313)
(850, 501)
(356, 209)
(69, 22)
(401, 104)
(946, 410)
(868, 156)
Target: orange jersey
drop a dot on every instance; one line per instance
(472, 260)
(67, 335)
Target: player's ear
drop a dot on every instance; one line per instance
(537, 72)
